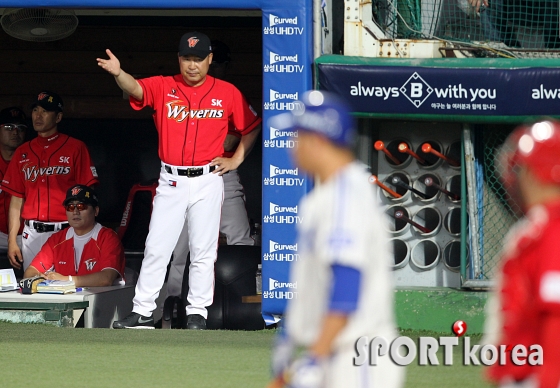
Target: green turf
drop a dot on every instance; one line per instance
(436, 376)
(80, 358)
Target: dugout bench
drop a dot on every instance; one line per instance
(94, 307)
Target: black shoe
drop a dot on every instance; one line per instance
(196, 322)
(135, 321)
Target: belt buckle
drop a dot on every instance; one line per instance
(194, 172)
(39, 227)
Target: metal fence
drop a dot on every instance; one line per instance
(491, 212)
(502, 28)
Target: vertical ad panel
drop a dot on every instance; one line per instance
(286, 76)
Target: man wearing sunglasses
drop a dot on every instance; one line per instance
(38, 176)
(13, 124)
(87, 253)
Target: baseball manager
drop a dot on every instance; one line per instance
(193, 111)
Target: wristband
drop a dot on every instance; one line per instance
(69, 277)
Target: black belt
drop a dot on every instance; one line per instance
(189, 172)
(43, 227)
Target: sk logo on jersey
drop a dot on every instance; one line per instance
(192, 41)
(180, 113)
(90, 263)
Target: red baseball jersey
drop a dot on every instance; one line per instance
(529, 296)
(192, 122)
(41, 171)
(104, 250)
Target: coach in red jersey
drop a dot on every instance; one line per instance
(193, 111)
(87, 253)
(40, 172)
(13, 125)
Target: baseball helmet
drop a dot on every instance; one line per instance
(534, 146)
(323, 113)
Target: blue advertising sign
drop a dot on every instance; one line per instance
(287, 62)
(445, 91)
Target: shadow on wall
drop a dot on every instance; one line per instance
(125, 153)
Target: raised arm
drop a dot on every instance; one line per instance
(125, 81)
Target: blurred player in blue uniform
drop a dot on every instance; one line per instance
(343, 275)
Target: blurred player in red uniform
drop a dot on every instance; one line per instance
(39, 174)
(13, 125)
(193, 112)
(525, 309)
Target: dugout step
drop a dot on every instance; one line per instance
(251, 299)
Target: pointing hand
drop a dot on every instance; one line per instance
(111, 65)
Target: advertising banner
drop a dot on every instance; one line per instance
(445, 91)
(287, 62)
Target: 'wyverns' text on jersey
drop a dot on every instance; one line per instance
(179, 112)
(33, 172)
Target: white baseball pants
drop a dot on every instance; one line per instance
(341, 372)
(182, 202)
(32, 242)
(234, 225)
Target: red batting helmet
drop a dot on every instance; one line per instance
(536, 146)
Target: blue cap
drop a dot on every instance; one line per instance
(323, 113)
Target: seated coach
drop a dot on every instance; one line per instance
(89, 254)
